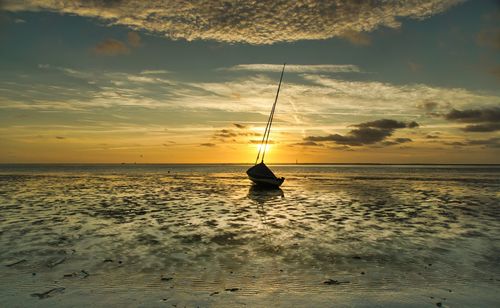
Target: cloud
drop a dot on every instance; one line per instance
(474, 115)
(486, 119)
(431, 136)
(456, 143)
(154, 72)
(240, 126)
(111, 47)
(413, 124)
(230, 133)
(402, 140)
(342, 148)
(260, 22)
(307, 144)
(305, 103)
(428, 106)
(240, 135)
(226, 133)
(356, 137)
(208, 144)
(486, 127)
(489, 37)
(357, 38)
(373, 95)
(396, 141)
(367, 133)
(294, 68)
(385, 124)
(490, 142)
(147, 79)
(66, 71)
(134, 39)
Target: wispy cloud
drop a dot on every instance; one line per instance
(247, 21)
(240, 126)
(111, 47)
(294, 68)
(357, 38)
(373, 94)
(134, 39)
(67, 71)
(307, 103)
(396, 141)
(154, 72)
(493, 142)
(307, 144)
(428, 106)
(229, 134)
(490, 142)
(489, 37)
(114, 47)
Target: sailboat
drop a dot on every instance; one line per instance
(260, 174)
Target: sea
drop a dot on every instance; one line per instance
(160, 235)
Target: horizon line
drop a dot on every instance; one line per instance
(235, 164)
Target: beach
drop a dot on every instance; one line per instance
(202, 235)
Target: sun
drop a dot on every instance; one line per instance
(259, 146)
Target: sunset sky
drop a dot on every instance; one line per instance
(193, 82)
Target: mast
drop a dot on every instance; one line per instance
(265, 138)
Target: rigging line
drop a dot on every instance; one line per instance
(272, 112)
(266, 133)
(269, 120)
(263, 146)
(271, 116)
(264, 136)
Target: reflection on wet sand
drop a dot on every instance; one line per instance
(205, 238)
(264, 197)
(261, 195)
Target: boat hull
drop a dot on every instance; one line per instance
(267, 182)
(261, 175)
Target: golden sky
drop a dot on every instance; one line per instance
(172, 82)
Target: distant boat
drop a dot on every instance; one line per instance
(260, 174)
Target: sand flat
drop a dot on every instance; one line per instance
(202, 236)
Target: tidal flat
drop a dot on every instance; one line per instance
(202, 235)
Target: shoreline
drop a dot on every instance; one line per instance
(244, 164)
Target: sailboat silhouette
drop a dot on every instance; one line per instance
(260, 174)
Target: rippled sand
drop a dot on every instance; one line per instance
(202, 236)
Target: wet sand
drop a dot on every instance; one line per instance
(202, 236)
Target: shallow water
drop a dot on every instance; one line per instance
(195, 235)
